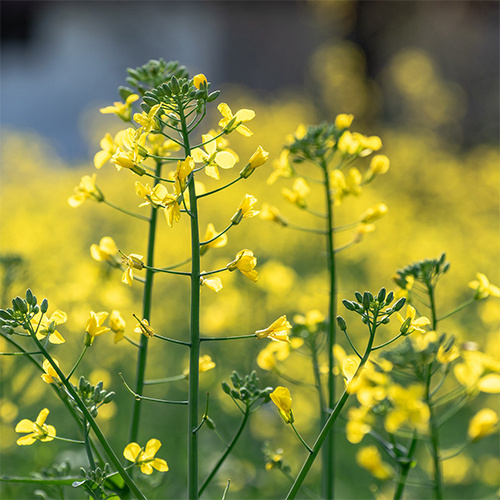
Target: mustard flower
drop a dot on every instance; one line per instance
(271, 213)
(478, 372)
(277, 331)
(44, 326)
(38, 430)
(85, 190)
(408, 408)
(231, 122)
(282, 399)
(145, 458)
(482, 424)
(256, 160)
(161, 146)
(410, 323)
(446, 356)
(121, 109)
(359, 423)
(212, 282)
(273, 352)
(144, 328)
(300, 133)
(132, 261)
(199, 80)
(245, 262)
(211, 233)
(108, 148)
(147, 121)
(282, 167)
(300, 189)
(343, 121)
(212, 157)
(310, 320)
(94, 326)
(353, 181)
(184, 168)
(375, 213)
(204, 365)
(50, 376)
(370, 459)
(245, 209)
(483, 287)
(117, 325)
(106, 249)
(379, 165)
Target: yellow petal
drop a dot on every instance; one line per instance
(225, 110)
(56, 338)
(101, 158)
(152, 447)
(225, 159)
(42, 416)
(245, 131)
(131, 451)
(490, 383)
(146, 469)
(160, 464)
(26, 440)
(25, 425)
(244, 115)
(212, 171)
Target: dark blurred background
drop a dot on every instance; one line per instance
(59, 58)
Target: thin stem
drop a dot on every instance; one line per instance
(319, 385)
(147, 299)
(291, 225)
(159, 178)
(20, 353)
(388, 342)
(309, 449)
(88, 449)
(459, 308)
(315, 213)
(165, 380)
(178, 264)
(207, 273)
(155, 400)
(218, 235)
(78, 361)
(352, 345)
(67, 439)
(220, 189)
(132, 214)
(174, 341)
(166, 270)
(207, 339)
(405, 469)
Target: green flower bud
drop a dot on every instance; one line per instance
(399, 304)
(109, 397)
(342, 324)
(20, 305)
(381, 295)
(44, 306)
(349, 305)
(389, 298)
(226, 388)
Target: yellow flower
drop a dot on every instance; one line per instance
(147, 121)
(482, 424)
(273, 352)
(145, 458)
(256, 160)
(408, 408)
(271, 213)
(359, 423)
(132, 261)
(106, 249)
(199, 80)
(483, 287)
(132, 151)
(369, 458)
(121, 109)
(282, 399)
(205, 364)
(214, 283)
(410, 323)
(277, 331)
(343, 121)
(282, 167)
(211, 234)
(379, 164)
(445, 356)
(245, 210)
(50, 376)
(47, 326)
(108, 148)
(297, 194)
(375, 213)
(117, 325)
(184, 168)
(144, 328)
(212, 157)
(85, 190)
(38, 430)
(478, 371)
(231, 122)
(94, 326)
(245, 262)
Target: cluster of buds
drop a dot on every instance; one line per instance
(93, 396)
(246, 388)
(22, 312)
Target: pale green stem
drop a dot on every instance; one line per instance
(132, 214)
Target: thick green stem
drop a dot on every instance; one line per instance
(405, 469)
(147, 302)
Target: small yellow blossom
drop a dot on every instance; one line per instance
(311, 320)
(375, 213)
(38, 430)
(44, 326)
(379, 165)
(236, 120)
(478, 372)
(359, 423)
(245, 262)
(106, 249)
(408, 408)
(353, 181)
(445, 356)
(50, 376)
(121, 109)
(483, 287)
(343, 121)
(132, 151)
(300, 189)
(145, 458)
(144, 328)
(413, 324)
(256, 160)
(108, 148)
(482, 424)
(184, 168)
(117, 325)
(245, 209)
(212, 282)
(94, 326)
(282, 399)
(271, 213)
(277, 331)
(370, 459)
(199, 79)
(211, 234)
(273, 352)
(147, 121)
(212, 157)
(132, 261)
(282, 167)
(205, 364)
(85, 190)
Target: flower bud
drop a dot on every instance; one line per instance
(199, 80)
(342, 324)
(44, 306)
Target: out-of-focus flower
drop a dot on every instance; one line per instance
(85, 190)
(483, 287)
(411, 323)
(245, 262)
(108, 148)
(282, 399)
(212, 282)
(310, 320)
(478, 372)
(359, 423)
(236, 120)
(50, 376)
(211, 236)
(199, 79)
(94, 326)
(121, 109)
(44, 326)
(370, 459)
(212, 157)
(408, 408)
(106, 249)
(343, 121)
(482, 424)
(144, 328)
(145, 458)
(446, 356)
(132, 261)
(300, 189)
(117, 325)
(379, 165)
(37, 430)
(282, 167)
(205, 364)
(256, 160)
(277, 331)
(271, 213)
(374, 213)
(245, 209)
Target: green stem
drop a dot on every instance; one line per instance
(252, 335)
(227, 452)
(405, 469)
(137, 216)
(309, 449)
(291, 225)
(78, 361)
(59, 438)
(165, 380)
(147, 296)
(319, 385)
(220, 189)
(459, 308)
(88, 449)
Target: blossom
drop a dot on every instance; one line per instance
(478, 371)
(282, 399)
(147, 121)
(311, 320)
(369, 458)
(245, 262)
(199, 80)
(132, 151)
(375, 213)
(408, 408)
(271, 213)
(117, 325)
(145, 458)
(483, 287)
(132, 261)
(121, 109)
(94, 326)
(447, 355)
(359, 423)
(482, 424)
(184, 168)
(108, 148)
(144, 328)
(343, 121)
(256, 160)
(44, 326)
(214, 240)
(282, 167)
(50, 376)
(38, 430)
(231, 122)
(410, 323)
(205, 363)
(245, 209)
(85, 190)
(212, 282)
(212, 157)
(379, 164)
(106, 249)
(277, 331)
(300, 189)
